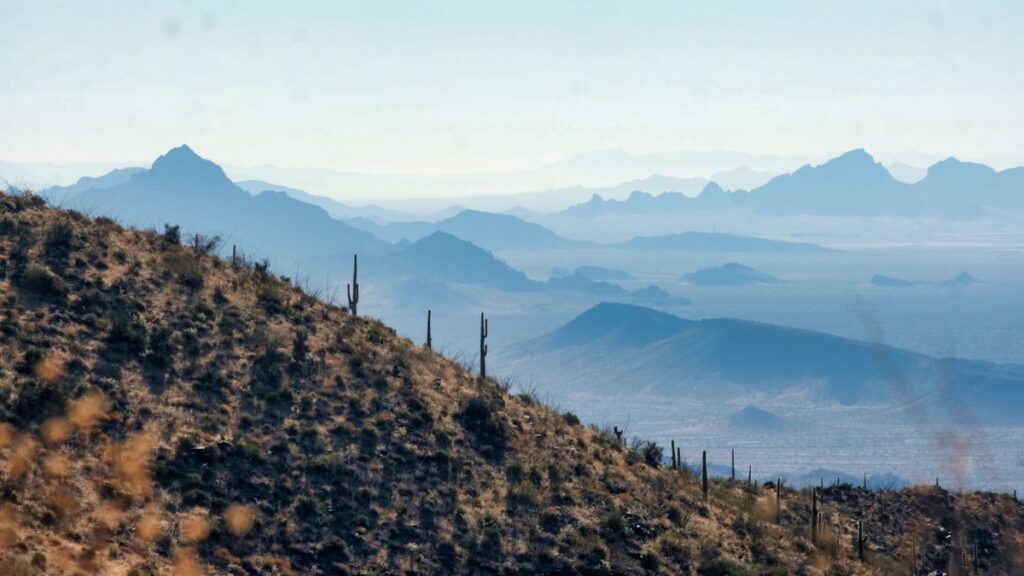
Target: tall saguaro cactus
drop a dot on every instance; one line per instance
(814, 515)
(353, 288)
(483, 346)
(430, 343)
(704, 472)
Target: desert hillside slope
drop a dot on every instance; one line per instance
(168, 412)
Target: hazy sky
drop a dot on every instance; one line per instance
(453, 86)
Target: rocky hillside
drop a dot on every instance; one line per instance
(168, 412)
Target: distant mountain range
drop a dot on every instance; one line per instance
(619, 348)
(961, 279)
(333, 207)
(714, 242)
(729, 274)
(489, 230)
(853, 184)
(442, 256)
(602, 273)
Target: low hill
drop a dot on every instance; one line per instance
(452, 259)
(489, 230)
(600, 273)
(754, 419)
(617, 347)
(882, 281)
(168, 412)
(730, 274)
(716, 242)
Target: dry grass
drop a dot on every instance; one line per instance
(172, 421)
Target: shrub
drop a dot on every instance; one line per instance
(57, 244)
(724, 567)
(489, 545)
(171, 235)
(613, 526)
(480, 417)
(186, 268)
(41, 281)
(128, 332)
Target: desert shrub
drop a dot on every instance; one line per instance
(523, 494)
(571, 419)
(270, 296)
(186, 268)
(57, 244)
(613, 526)
(204, 244)
(724, 567)
(127, 332)
(306, 507)
(43, 283)
(39, 400)
(489, 544)
(160, 349)
(482, 418)
(171, 235)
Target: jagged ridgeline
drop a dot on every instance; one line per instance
(168, 412)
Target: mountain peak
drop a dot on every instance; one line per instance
(182, 170)
(630, 325)
(857, 156)
(712, 188)
(183, 158)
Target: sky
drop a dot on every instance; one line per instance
(446, 87)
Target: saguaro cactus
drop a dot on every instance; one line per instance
(734, 464)
(814, 515)
(353, 288)
(778, 501)
(675, 464)
(483, 346)
(618, 433)
(430, 344)
(704, 472)
(860, 540)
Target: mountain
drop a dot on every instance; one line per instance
(906, 173)
(183, 188)
(614, 325)
(891, 281)
(715, 242)
(961, 279)
(720, 359)
(654, 296)
(952, 187)
(754, 419)
(60, 194)
(579, 282)
(852, 184)
(333, 207)
(600, 273)
(489, 230)
(187, 415)
(452, 259)
(730, 274)
(712, 196)
(742, 178)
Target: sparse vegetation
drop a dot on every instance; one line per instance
(163, 412)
